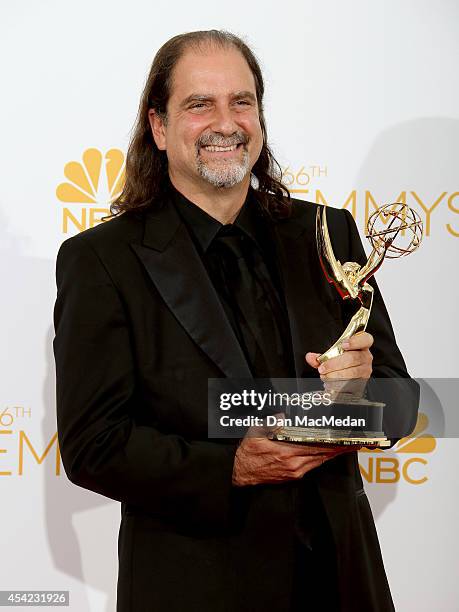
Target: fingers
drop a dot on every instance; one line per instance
(309, 450)
(333, 371)
(352, 386)
(286, 450)
(356, 361)
(352, 364)
(298, 466)
(362, 340)
(311, 359)
(261, 431)
(301, 465)
(350, 359)
(262, 460)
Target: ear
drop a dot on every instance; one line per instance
(157, 129)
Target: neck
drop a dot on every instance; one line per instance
(220, 203)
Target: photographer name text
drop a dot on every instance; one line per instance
(297, 421)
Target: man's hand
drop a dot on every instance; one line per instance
(259, 460)
(356, 361)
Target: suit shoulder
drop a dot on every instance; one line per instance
(306, 211)
(124, 227)
(113, 232)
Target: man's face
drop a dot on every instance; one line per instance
(212, 133)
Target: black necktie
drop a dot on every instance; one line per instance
(250, 294)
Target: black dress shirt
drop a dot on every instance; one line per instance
(241, 264)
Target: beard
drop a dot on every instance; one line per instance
(223, 173)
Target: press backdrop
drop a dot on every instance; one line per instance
(362, 109)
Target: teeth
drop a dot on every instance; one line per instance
(214, 148)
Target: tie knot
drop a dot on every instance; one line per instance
(231, 240)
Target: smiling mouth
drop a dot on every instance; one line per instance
(219, 149)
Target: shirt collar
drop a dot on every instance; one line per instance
(204, 228)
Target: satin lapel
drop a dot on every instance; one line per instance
(178, 273)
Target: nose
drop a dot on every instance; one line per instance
(223, 121)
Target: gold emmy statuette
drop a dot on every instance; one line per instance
(390, 223)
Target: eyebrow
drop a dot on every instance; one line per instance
(195, 97)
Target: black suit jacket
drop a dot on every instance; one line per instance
(139, 330)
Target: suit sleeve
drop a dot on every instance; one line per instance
(391, 382)
(103, 448)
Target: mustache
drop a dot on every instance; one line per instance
(217, 140)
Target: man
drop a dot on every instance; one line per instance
(207, 271)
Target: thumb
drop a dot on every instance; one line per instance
(311, 359)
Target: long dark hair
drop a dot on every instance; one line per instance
(146, 166)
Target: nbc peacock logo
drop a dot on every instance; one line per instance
(91, 186)
(405, 461)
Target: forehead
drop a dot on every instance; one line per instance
(211, 70)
